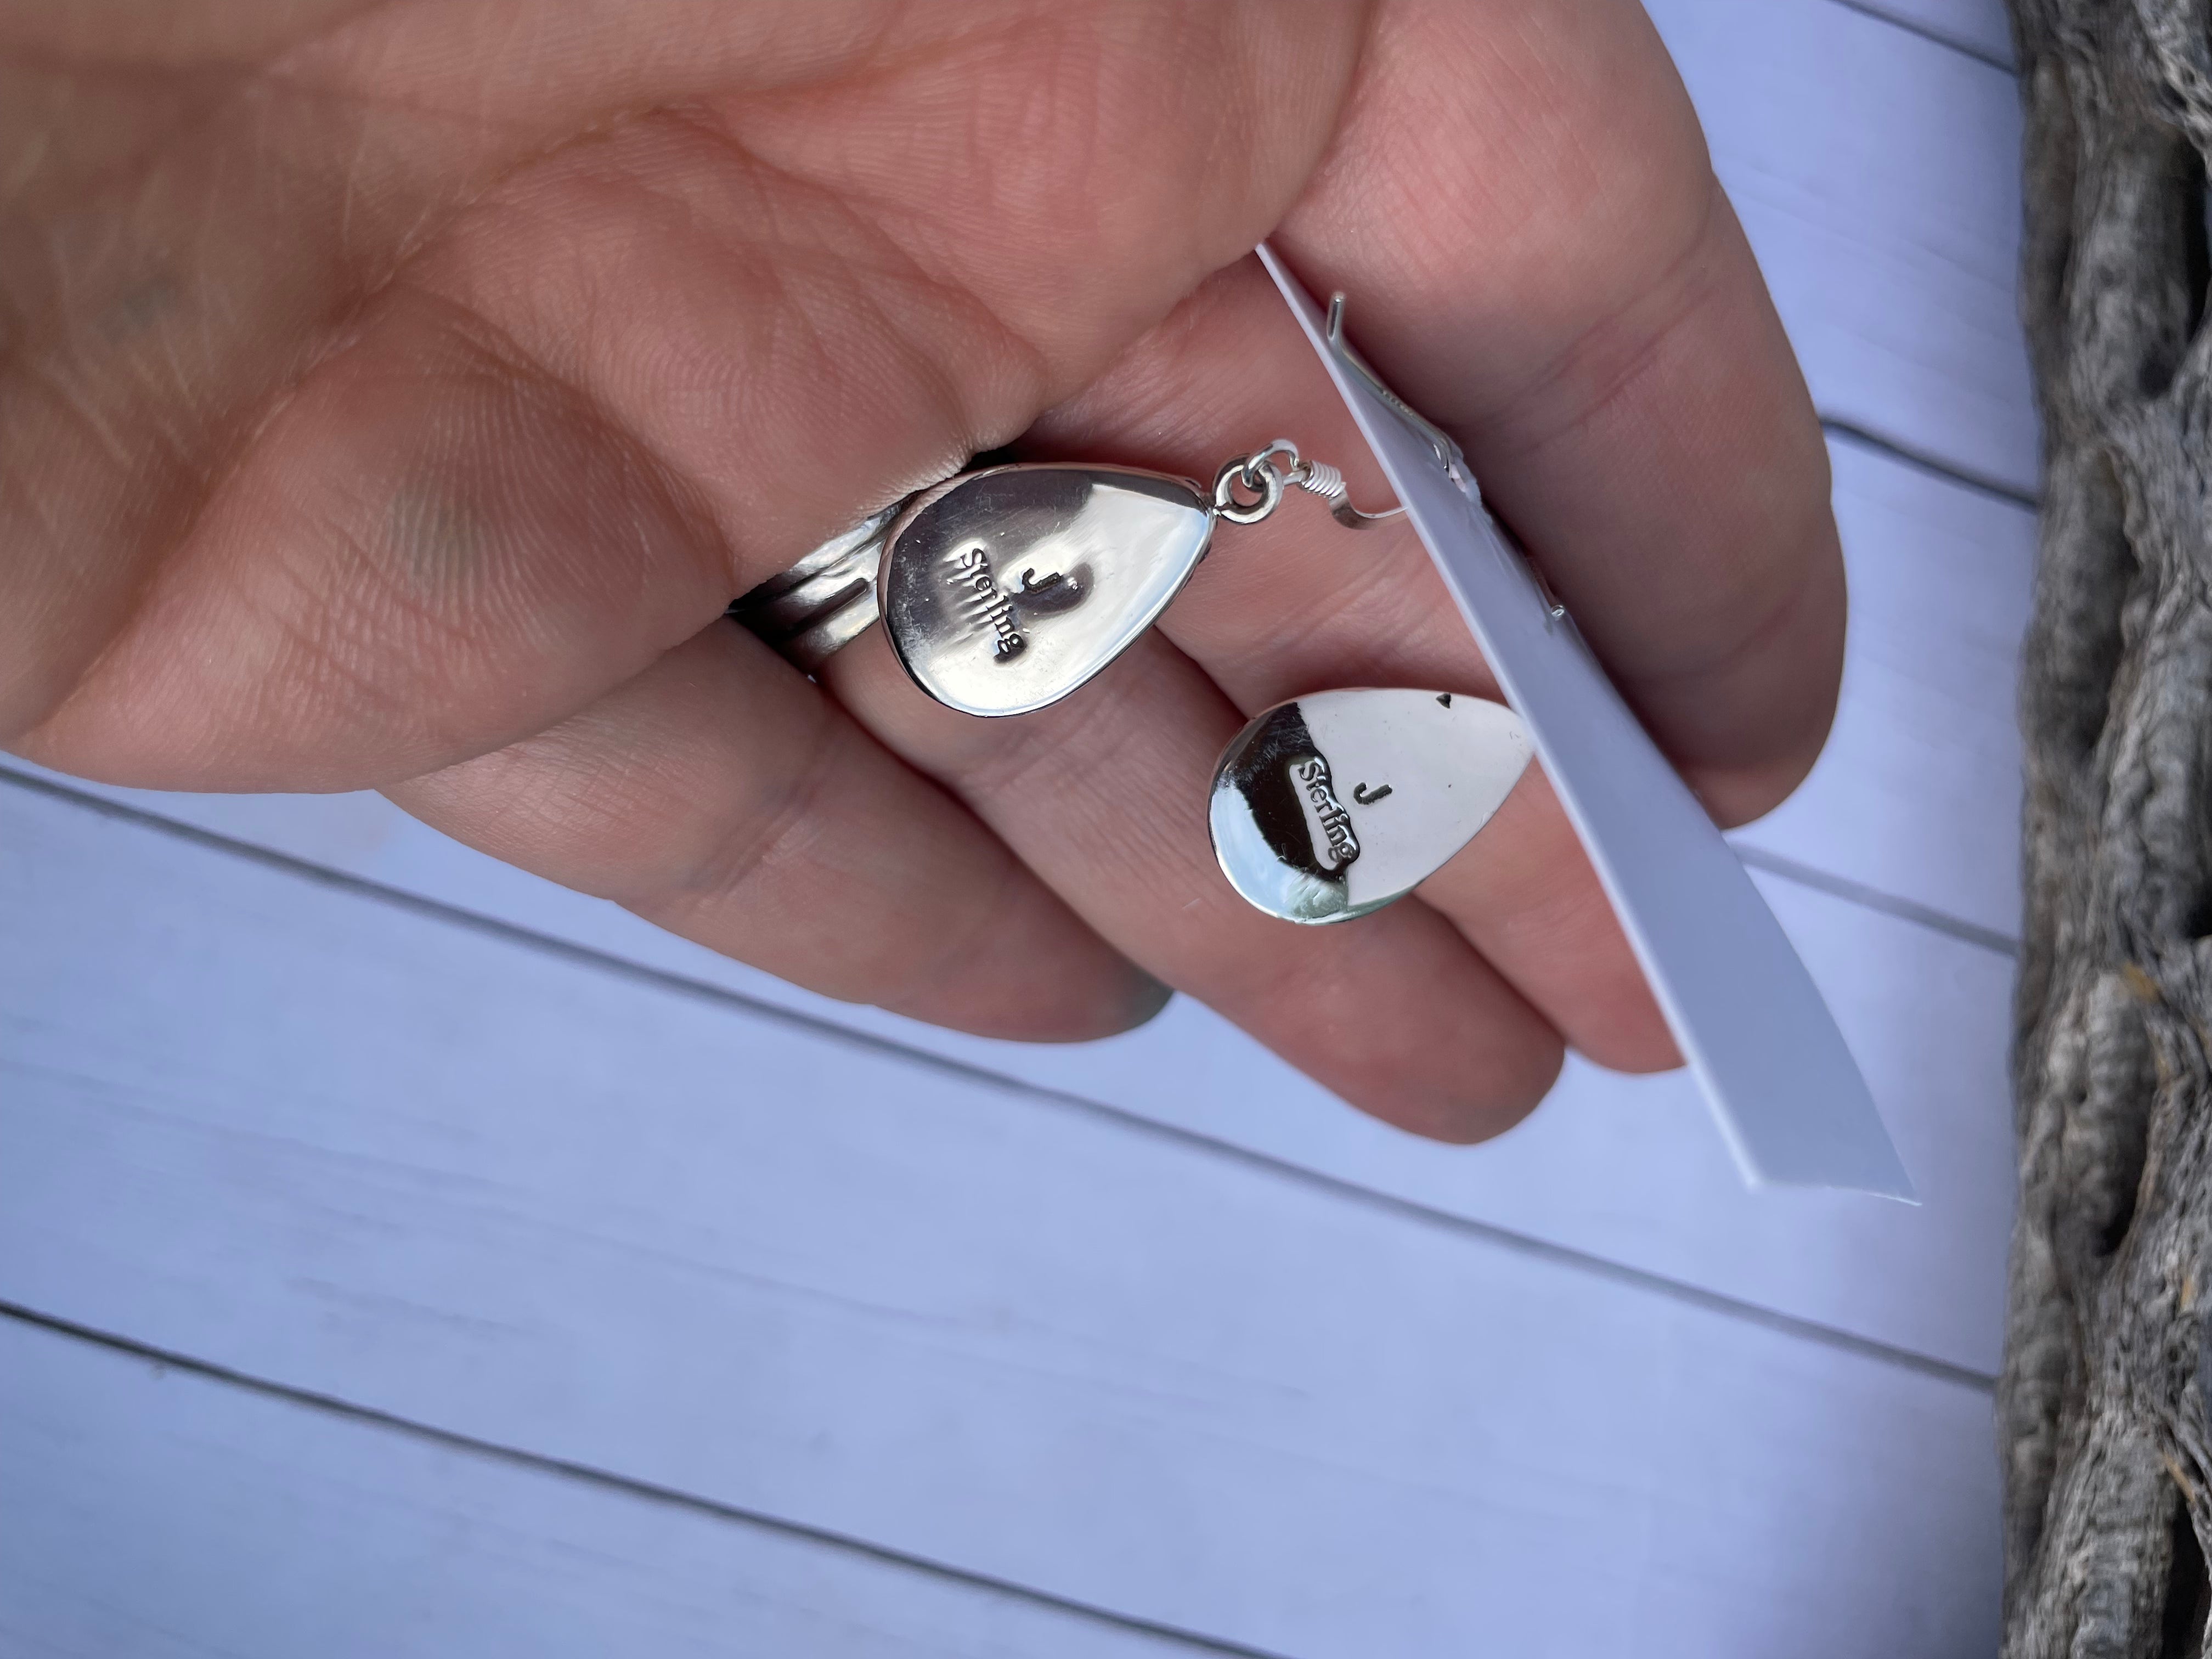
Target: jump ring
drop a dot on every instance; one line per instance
(1266, 480)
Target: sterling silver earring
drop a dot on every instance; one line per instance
(1338, 803)
(1005, 589)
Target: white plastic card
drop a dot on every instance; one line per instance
(1784, 1088)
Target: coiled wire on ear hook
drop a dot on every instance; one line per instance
(1263, 474)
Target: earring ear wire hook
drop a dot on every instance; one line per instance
(1265, 475)
(1448, 452)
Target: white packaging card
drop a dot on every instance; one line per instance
(1784, 1090)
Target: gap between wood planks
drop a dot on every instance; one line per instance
(1873, 898)
(1927, 31)
(1920, 461)
(681, 985)
(608, 1480)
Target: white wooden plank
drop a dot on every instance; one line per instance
(1878, 174)
(1918, 794)
(1625, 1169)
(147, 1512)
(1977, 27)
(295, 1132)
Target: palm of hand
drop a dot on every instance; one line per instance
(394, 396)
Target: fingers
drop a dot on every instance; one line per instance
(434, 552)
(1300, 604)
(726, 798)
(1524, 894)
(1571, 295)
(643, 369)
(1104, 796)
(660, 360)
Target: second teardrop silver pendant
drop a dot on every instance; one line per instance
(1339, 803)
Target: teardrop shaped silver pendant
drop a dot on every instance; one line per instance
(1005, 590)
(1335, 804)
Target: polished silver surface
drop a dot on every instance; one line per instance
(1334, 805)
(1255, 474)
(826, 600)
(1005, 590)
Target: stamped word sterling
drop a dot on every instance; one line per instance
(1428, 770)
(1334, 845)
(1003, 611)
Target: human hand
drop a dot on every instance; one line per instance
(395, 394)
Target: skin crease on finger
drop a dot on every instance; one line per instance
(810, 852)
(538, 380)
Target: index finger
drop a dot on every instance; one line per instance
(1572, 297)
